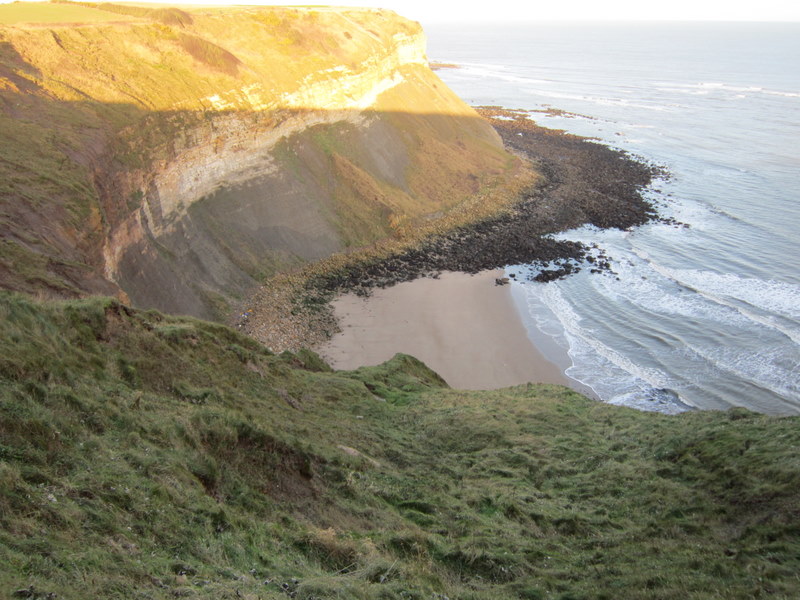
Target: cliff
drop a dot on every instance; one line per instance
(180, 157)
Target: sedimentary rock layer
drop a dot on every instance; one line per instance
(180, 157)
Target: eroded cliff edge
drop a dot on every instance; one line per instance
(178, 158)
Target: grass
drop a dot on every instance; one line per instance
(47, 12)
(209, 54)
(157, 457)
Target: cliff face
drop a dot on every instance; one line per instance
(180, 157)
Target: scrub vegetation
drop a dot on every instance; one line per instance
(147, 456)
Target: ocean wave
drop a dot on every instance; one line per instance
(612, 377)
(664, 401)
(761, 302)
(640, 283)
(783, 94)
(762, 368)
(617, 376)
(608, 101)
(571, 322)
(616, 380)
(701, 217)
(708, 87)
(771, 296)
(499, 73)
(727, 299)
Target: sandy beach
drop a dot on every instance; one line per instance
(462, 326)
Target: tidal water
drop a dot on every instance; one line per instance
(705, 316)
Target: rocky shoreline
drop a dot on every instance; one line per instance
(585, 183)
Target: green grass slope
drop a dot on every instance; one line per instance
(145, 456)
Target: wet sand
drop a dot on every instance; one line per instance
(462, 326)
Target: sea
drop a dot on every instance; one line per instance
(705, 316)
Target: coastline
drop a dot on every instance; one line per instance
(464, 327)
(553, 352)
(583, 183)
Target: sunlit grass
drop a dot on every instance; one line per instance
(46, 12)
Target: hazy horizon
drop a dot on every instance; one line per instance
(568, 10)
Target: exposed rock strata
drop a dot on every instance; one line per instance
(215, 148)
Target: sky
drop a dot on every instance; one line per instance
(510, 10)
(433, 11)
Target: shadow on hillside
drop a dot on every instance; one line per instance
(187, 210)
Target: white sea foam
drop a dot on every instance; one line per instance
(705, 88)
(481, 66)
(499, 72)
(607, 101)
(763, 368)
(784, 94)
(639, 284)
(773, 296)
(621, 379)
(693, 295)
(582, 341)
(752, 298)
(699, 216)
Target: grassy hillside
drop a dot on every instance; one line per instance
(15, 13)
(145, 456)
